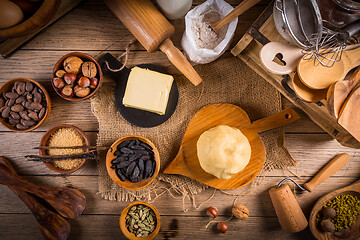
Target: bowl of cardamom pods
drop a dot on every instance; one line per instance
(140, 221)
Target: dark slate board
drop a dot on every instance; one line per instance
(135, 116)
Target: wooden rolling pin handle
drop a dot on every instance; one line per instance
(288, 211)
(330, 168)
(180, 62)
(241, 8)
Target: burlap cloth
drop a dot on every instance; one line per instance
(227, 80)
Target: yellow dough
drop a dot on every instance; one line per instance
(223, 151)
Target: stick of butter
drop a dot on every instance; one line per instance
(148, 90)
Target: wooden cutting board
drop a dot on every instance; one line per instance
(187, 163)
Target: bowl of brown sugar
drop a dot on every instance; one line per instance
(63, 140)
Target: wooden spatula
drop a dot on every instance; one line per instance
(153, 31)
(187, 163)
(339, 91)
(51, 224)
(316, 76)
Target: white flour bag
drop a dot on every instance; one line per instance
(200, 42)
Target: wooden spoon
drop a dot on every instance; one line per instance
(339, 91)
(316, 76)
(353, 232)
(187, 163)
(306, 93)
(69, 202)
(241, 8)
(51, 224)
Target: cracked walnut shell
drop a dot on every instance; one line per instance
(240, 211)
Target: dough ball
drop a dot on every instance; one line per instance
(223, 151)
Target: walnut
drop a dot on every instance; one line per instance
(73, 64)
(240, 211)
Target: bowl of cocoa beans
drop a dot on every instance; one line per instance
(77, 76)
(24, 104)
(133, 162)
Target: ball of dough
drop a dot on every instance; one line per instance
(223, 151)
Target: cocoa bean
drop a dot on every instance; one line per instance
(29, 96)
(29, 87)
(35, 106)
(6, 112)
(2, 102)
(37, 97)
(27, 104)
(20, 88)
(17, 108)
(33, 115)
(15, 115)
(34, 90)
(2, 109)
(21, 127)
(24, 115)
(13, 89)
(12, 95)
(27, 123)
(42, 113)
(13, 121)
(10, 102)
(20, 99)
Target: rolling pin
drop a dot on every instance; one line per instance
(288, 211)
(153, 31)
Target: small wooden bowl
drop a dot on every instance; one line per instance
(129, 235)
(128, 184)
(38, 20)
(7, 87)
(83, 56)
(45, 139)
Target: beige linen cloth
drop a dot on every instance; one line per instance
(227, 80)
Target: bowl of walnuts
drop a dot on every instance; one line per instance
(77, 76)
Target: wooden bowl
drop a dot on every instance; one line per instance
(38, 20)
(129, 235)
(128, 184)
(8, 85)
(45, 139)
(83, 56)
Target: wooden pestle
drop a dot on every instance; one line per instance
(51, 224)
(153, 31)
(68, 202)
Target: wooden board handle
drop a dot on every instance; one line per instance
(180, 62)
(330, 168)
(241, 8)
(279, 119)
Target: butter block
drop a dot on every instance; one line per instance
(148, 90)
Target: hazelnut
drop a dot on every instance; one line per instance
(70, 78)
(60, 73)
(212, 212)
(328, 212)
(81, 92)
(222, 227)
(73, 64)
(58, 82)
(327, 225)
(89, 69)
(67, 91)
(240, 211)
(93, 83)
(84, 82)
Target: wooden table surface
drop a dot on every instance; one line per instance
(92, 28)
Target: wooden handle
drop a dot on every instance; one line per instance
(70, 203)
(330, 168)
(180, 62)
(354, 78)
(279, 119)
(241, 8)
(288, 211)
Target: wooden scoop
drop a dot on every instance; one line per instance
(338, 92)
(153, 31)
(353, 232)
(51, 224)
(241, 8)
(306, 93)
(187, 163)
(316, 76)
(68, 202)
